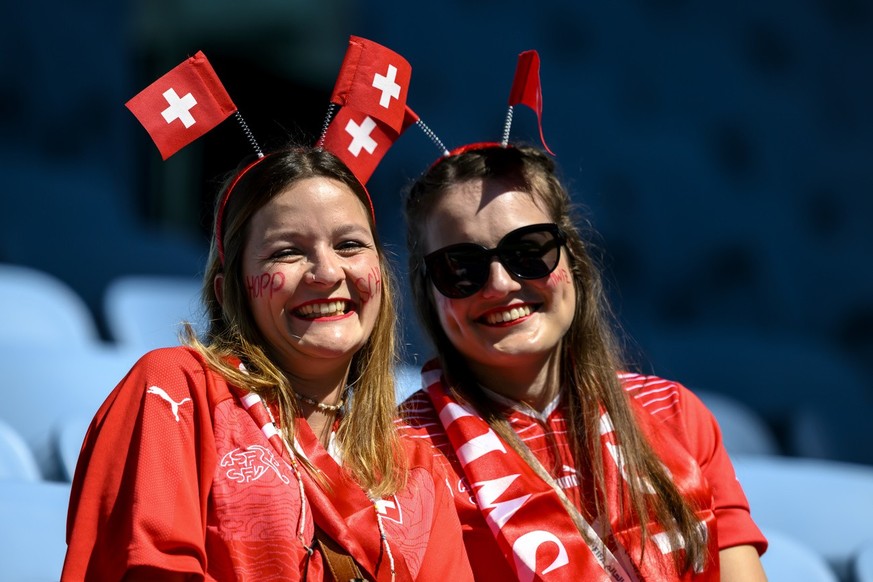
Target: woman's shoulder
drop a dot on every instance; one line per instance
(182, 357)
(179, 371)
(660, 398)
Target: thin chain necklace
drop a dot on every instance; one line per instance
(319, 405)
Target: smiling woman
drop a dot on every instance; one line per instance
(563, 465)
(267, 448)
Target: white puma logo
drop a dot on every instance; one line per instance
(173, 404)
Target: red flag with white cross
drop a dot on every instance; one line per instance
(359, 140)
(374, 80)
(182, 105)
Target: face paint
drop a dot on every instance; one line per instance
(370, 286)
(264, 285)
(559, 277)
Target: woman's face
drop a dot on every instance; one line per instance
(509, 321)
(312, 273)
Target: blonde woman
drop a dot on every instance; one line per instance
(267, 450)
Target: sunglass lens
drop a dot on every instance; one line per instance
(530, 254)
(459, 271)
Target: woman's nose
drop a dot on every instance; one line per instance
(325, 268)
(500, 281)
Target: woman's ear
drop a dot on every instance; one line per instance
(218, 287)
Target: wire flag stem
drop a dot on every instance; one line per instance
(248, 133)
(506, 127)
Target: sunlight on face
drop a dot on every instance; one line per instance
(312, 273)
(510, 321)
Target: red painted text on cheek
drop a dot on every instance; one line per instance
(369, 286)
(558, 277)
(264, 285)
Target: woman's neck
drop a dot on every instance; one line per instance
(317, 392)
(535, 384)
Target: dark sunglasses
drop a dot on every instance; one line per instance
(529, 252)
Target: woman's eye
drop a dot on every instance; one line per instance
(351, 245)
(286, 253)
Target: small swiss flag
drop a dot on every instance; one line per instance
(374, 80)
(526, 88)
(359, 140)
(182, 105)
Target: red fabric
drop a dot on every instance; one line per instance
(208, 495)
(670, 415)
(526, 88)
(409, 118)
(359, 140)
(374, 80)
(204, 104)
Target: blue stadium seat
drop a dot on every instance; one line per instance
(744, 431)
(147, 311)
(33, 533)
(38, 308)
(787, 559)
(862, 563)
(825, 505)
(16, 458)
(43, 386)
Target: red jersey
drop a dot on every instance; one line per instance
(176, 475)
(663, 406)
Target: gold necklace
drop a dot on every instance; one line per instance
(319, 405)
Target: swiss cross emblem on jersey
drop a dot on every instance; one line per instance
(182, 105)
(389, 508)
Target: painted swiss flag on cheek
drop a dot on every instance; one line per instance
(374, 80)
(182, 105)
(359, 140)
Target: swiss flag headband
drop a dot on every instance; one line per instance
(526, 90)
(370, 92)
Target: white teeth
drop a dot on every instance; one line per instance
(322, 309)
(508, 315)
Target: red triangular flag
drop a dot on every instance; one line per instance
(374, 80)
(358, 140)
(182, 105)
(526, 89)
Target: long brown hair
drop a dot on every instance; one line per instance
(366, 436)
(590, 356)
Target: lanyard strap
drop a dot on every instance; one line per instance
(604, 556)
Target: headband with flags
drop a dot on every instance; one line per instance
(371, 90)
(525, 90)
(182, 105)
(375, 81)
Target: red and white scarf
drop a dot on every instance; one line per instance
(530, 523)
(345, 513)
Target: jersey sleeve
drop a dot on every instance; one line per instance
(732, 512)
(140, 490)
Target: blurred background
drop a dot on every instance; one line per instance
(722, 155)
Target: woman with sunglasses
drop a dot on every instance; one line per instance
(563, 466)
